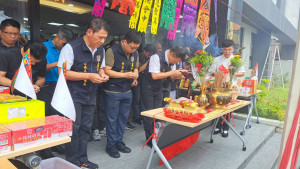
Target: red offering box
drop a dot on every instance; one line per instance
(37, 131)
(5, 140)
(4, 90)
(252, 84)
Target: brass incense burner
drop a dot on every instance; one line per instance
(219, 97)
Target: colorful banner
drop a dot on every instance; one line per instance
(98, 8)
(155, 16)
(144, 17)
(63, 1)
(135, 16)
(124, 6)
(27, 64)
(172, 32)
(168, 14)
(64, 69)
(189, 17)
(202, 27)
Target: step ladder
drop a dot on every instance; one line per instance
(273, 65)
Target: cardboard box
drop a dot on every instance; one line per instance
(246, 91)
(18, 111)
(252, 84)
(37, 131)
(5, 140)
(4, 90)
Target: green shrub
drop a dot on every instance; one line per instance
(271, 104)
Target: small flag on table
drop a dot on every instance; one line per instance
(62, 100)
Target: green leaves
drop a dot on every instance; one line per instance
(203, 58)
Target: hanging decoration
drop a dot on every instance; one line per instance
(98, 8)
(168, 14)
(155, 16)
(202, 27)
(124, 6)
(135, 16)
(189, 17)
(172, 32)
(144, 17)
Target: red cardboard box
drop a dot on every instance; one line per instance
(4, 90)
(5, 140)
(252, 84)
(37, 131)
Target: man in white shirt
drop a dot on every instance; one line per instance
(224, 60)
(162, 68)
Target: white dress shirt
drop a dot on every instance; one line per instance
(154, 63)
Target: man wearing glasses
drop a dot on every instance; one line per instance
(122, 69)
(224, 59)
(9, 32)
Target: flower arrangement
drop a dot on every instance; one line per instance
(203, 61)
(236, 64)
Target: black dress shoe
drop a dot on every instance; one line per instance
(217, 131)
(138, 121)
(225, 133)
(122, 148)
(46, 153)
(113, 152)
(59, 149)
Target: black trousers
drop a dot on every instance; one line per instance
(46, 95)
(152, 99)
(76, 150)
(99, 115)
(223, 126)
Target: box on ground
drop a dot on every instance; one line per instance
(39, 130)
(56, 162)
(24, 110)
(5, 140)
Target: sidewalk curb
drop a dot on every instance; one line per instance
(276, 123)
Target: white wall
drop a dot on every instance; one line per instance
(248, 30)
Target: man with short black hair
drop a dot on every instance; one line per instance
(10, 61)
(122, 68)
(85, 62)
(224, 59)
(10, 33)
(162, 69)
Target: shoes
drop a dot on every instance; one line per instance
(96, 135)
(129, 126)
(113, 152)
(46, 153)
(138, 121)
(122, 148)
(59, 149)
(225, 133)
(103, 132)
(217, 131)
(89, 165)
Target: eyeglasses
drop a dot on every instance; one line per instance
(132, 48)
(11, 34)
(227, 50)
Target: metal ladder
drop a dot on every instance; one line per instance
(272, 56)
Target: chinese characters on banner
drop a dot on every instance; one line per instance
(144, 17)
(172, 32)
(189, 17)
(155, 16)
(135, 16)
(202, 27)
(124, 6)
(99, 8)
(168, 14)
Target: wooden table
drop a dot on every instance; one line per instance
(176, 130)
(29, 149)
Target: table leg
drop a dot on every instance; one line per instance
(213, 129)
(236, 133)
(247, 124)
(160, 154)
(254, 105)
